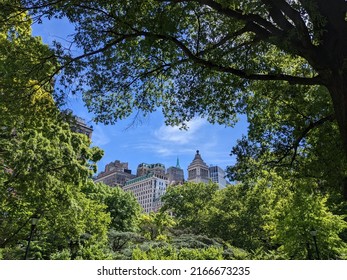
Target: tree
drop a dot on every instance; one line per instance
(171, 253)
(122, 206)
(301, 211)
(238, 214)
(47, 165)
(156, 226)
(189, 203)
(200, 56)
(43, 163)
(268, 215)
(25, 61)
(293, 135)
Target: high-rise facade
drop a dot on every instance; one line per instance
(217, 175)
(148, 190)
(77, 124)
(115, 174)
(175, 174)
(198, 170)
(145, 168)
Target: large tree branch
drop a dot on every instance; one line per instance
(261, 26)
(294, 39)
(227, 38)
(91, 53)
(195, 58)
(200, 61)
(6, 240)
(281, 9)
(296, 18)
(277, 15)
(307, 130)
(238, 72)
(293, 148)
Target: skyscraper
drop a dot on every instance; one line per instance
(148, 190)
(198, 170)
(145, 168)
(217, 175)
(175, 174)
(115, 174)
(77, 124)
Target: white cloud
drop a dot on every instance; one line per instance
(167, 141)
(164, 151)
(100, 137)
(176, 135)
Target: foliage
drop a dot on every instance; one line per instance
(122, 206)
(26, 66)
(268, 216)
(120, 240)
(170, 253)
(61, 255)
(279, 215)
(43, 163)
(292, 135)
(188, 203)
(307, 161)
(44, 179)
(156, 226)
(238, 214)
(200, 57)
(196, 241)
(301, 212)
(187, 247)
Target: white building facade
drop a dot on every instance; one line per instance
(148, 190)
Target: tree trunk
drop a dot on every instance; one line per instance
(338, 92)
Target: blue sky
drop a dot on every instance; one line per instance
(149, 141)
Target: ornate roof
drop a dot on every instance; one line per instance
(197, 161)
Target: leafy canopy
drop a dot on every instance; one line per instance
(212, 58)
(43, 164)
(197, 56)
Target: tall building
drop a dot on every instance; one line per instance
(77, 124)
(217, 175)
(198, 170)
(175, 174)
(145, 168)
(148, 190)
(115, 174)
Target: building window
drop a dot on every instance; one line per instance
(192, 173)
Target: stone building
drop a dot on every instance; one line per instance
(198, 170)
(175, 174)
(77, 124)
(115, 174)
(145, 168)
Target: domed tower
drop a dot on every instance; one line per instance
(198, 170)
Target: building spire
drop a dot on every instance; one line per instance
(178, 163)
